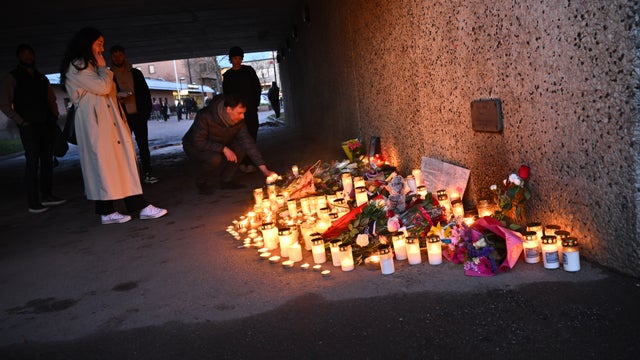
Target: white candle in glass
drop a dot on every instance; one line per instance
(417, 175)
(304, 205)
(358, 181)
(294, 170)
(292, 206)
(530, 247)
(346, 258)
(434, 250)
(399, 245)
(318, 251)
(361, 195)
(284, 236)
(270, 235)
(571, 255)
(413, 250)
(335, 252)
(386, 260)
(295, 252)
(347, 183)
(550, 252)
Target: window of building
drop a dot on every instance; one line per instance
(202, 67)
(152, 69)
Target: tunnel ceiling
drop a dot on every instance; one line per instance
(149, 30)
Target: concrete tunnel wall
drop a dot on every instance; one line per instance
(407, 71)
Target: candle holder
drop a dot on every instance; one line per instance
(346, 257)
(550, 252)
(399, 245)
(284, 236)
(270, 235)
(531, 246)
(571, 254)
(318, 251)
(334, 246)
(386, 259)
(434, 250)
(412, 245)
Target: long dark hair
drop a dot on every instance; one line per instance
(79, 48)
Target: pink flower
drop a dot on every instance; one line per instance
(524, 171)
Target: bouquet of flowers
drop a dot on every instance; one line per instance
(484, 248)
(511, 197)
(352, 148)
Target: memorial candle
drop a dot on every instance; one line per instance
(284, 236)
(294, 170)
(295, 252)
(571, 254)
(530, 246)
(386, 259)
(318, 251)
(550, 252)
(399, 245)
(334, 245)
(434, 250)
(346, 258)
(292, 206)
(347, 184)
(413, 250)
(361, 195)
(270, 235)
(561, 235)
(417, 174)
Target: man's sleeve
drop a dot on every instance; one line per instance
(7, 86)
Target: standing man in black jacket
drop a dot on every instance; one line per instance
(243, 81)
(26, 98)
(135, 97)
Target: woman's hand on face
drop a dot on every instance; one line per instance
(100, 61)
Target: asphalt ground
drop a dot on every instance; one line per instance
(181, 287)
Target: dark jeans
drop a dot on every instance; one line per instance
(37, 142)
(213, 164)
(275, 105)
(251, 119)
(141, 132)
(132, 203)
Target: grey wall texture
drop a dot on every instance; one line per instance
(565, 71)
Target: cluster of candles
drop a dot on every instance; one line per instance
(551, 244)
(300, 226)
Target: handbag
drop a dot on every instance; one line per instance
(69, 131)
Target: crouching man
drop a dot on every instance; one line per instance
(218, 139)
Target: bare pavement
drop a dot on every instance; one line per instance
(179, 287)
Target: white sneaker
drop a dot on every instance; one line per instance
(152, 212)
(115, 218)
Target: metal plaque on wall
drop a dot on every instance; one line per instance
(486, 115)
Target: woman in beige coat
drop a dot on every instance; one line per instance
(105, 145)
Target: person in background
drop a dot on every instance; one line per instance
(105, 144)
(274, 98)
(179, 110)
(243, 81)
(165, 109)
(218, 139)
(26, 97)
(135, 98)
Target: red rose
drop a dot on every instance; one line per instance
(523, 172)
